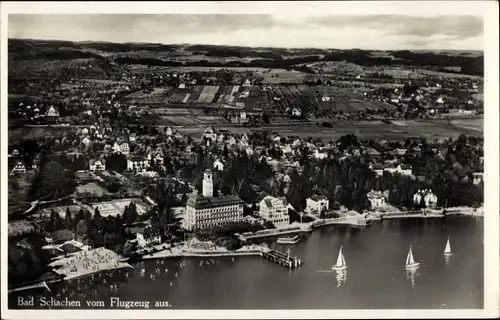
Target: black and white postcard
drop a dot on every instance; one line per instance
(239, 159)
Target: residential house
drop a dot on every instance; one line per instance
(370, 152)
(210, 134)
(116, 148)
(20, 167)
(403, 169)
(169, 131)
(429, 198)
(244, 141)
(478, 177)
(400, 151)
(132, 137)
(138, 164)
(155, 158)
(275, 210)
(97, 165)
(377, 168)
(296, 112)
(243, 117)
(124, 148)
(320, 154)
(52, 112)
(249, 151)
(376, 198)
(316, 204)
(86, 141)
(218, 165)
(148, 237)
(231, 141)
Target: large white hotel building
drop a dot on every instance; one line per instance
(205, 211)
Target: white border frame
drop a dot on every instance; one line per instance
(489, 10)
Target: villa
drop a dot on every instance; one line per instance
(149, 236)
(316, 204)
(275, 210)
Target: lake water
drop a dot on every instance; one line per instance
(375, 278)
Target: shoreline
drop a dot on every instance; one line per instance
(253, 250)
(81, 275)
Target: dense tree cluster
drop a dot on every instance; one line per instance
(52, 181)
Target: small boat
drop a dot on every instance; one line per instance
(289, 240)
(340, 265)
(410, 261)
(447, 249)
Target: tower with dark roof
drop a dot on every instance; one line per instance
(208, 184)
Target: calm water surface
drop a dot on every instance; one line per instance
(375, 278)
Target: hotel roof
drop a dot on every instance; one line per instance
(198, 201)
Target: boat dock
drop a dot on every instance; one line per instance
(281, 258)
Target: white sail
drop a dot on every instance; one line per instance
(409, 258)
(447, 249)
(340, 259)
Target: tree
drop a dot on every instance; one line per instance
(55, 221)
(81, 229)
(52, 182)
(97, 214)
(128, 248)
(68, 221)
(116, 162)
(269, 225)
(80, 215)
(130, 214)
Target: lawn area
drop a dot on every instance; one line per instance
(92, 188)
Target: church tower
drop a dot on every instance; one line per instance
(208, 184)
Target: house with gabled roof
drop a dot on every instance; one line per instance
(377, 199)
(275, 210)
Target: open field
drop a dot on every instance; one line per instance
(469, 124)
(379, 130)
(180, 120)
(92, 188)
(399, 130)
(282, 76)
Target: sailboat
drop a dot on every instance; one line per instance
(447, 249)
(340, 265)
(410, 262)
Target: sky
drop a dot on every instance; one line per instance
(363, 31)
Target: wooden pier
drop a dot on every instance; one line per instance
(281, 258)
